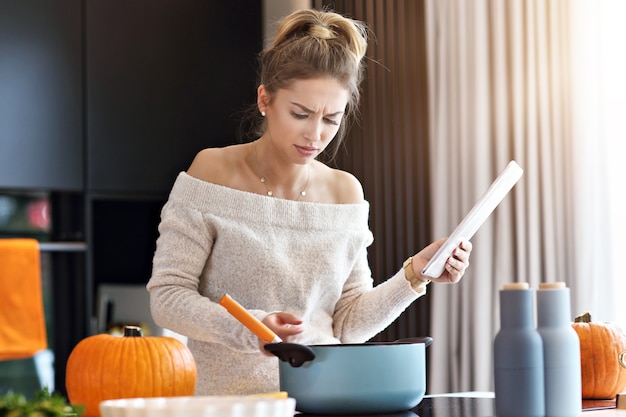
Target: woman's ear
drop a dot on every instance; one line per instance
(262, 98)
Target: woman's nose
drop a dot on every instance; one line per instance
(314, 132)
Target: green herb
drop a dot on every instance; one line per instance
(45, 404)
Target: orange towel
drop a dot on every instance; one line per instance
(22, 321)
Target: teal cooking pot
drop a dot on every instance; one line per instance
(353, 378)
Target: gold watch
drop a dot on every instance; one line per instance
(418, 284)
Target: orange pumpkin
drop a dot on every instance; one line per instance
(602, 358)
(105, 367)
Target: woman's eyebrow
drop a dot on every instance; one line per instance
(309, 111)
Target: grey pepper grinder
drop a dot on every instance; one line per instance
(518, 356)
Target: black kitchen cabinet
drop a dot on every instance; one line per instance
(164, 80)
(136, 87)
(41, 138)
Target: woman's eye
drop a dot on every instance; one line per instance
(298, 115)
(332, 121)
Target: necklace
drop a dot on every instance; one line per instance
(263, 180)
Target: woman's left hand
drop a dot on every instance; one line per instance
(455, 266)
(285, 325)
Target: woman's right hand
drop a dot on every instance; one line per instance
(283, 324)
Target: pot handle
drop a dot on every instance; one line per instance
(293, 353)
(427, 340)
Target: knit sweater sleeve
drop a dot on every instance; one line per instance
(363, 310)
(183, 247)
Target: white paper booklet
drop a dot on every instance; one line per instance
(475, 218)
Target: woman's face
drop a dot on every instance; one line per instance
(303, 118)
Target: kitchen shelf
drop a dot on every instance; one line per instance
(63, 247)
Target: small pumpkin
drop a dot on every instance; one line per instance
(104, 367)
(602, 358)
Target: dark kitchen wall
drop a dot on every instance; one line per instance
(102, 103)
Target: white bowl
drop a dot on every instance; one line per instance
(201, 406)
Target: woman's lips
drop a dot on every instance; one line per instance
(306, 151)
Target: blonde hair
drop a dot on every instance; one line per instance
(317, 44)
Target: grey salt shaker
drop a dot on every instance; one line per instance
(561, 351)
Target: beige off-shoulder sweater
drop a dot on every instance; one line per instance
(269, 254)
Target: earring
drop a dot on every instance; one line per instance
(263, 113)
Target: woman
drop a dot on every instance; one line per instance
(282, 233)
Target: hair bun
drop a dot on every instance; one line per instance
(323, 26)
(322, 32)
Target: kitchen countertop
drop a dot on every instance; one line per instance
(467, 405)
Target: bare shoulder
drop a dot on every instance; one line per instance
(342, 186)
(216, 165)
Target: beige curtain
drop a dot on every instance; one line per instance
(502, 87)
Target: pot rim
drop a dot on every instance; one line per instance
(408, 341)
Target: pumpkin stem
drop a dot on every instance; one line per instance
(583, 318)
(132, 331)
